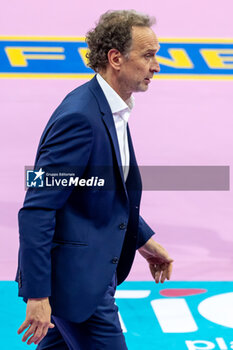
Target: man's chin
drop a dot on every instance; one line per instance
(141, 88)
(144, 87)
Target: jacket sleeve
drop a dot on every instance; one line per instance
(144, 232)
(67, 143)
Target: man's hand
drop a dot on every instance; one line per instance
(38, 319)
(158, 259)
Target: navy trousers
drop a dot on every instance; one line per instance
(102, 331)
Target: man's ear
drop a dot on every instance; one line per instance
(115, 59)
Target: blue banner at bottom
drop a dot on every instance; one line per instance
(169, 316)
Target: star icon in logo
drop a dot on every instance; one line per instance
(39, 174)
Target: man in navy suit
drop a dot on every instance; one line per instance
(78, 243)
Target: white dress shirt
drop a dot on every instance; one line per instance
(121, 112)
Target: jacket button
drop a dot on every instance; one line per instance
(115, 260)
(122, 226)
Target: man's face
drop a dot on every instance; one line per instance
(138, 68)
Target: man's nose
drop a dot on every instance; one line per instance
(155, 67)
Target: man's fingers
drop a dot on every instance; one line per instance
(157, 275)
(44, 332)
(152, 270)
(23, 326)
(169, 271)
(163, 276)
(39, 340)
(42, 337)
(29, 332)
(164, 272)
(161, 272)
(37, 334)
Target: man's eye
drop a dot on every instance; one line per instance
(149, 55)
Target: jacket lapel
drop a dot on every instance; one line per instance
(108, 121)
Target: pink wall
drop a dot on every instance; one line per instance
(177, 122)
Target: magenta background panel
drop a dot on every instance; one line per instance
(177, 122)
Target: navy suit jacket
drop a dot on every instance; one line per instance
(73, 240)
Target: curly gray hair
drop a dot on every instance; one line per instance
(113, 31)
